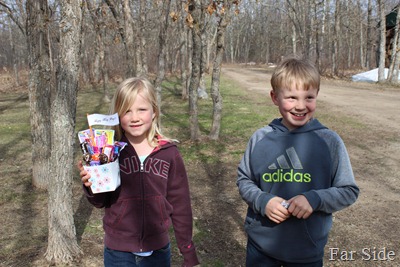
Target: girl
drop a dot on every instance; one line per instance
(154, 187)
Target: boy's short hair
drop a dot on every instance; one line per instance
(295, 72)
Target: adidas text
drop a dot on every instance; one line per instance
(289, 176)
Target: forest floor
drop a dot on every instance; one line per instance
(365, 234)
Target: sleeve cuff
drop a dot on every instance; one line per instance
(261, 203)
(189, 256)
(313, 198)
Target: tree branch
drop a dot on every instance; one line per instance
(9, 11)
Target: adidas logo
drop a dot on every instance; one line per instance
(283, 163)
(286, 171)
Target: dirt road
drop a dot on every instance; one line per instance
(365, 115)
(372, 102)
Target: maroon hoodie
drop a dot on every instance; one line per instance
(139, 213)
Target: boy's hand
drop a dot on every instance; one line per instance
(85, 176)
(300, 207)
(275, 211)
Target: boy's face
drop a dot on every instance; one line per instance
(297, 107)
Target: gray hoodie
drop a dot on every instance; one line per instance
(311, 160)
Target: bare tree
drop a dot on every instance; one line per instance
(394, 46)
(325, 30)
(361, 36)
(369, 35)
(142, 67)
(40, 86)
(223, 18)
(62, 244)
(129, 34)
(392, 77)
(100, 53)
(162, 40)
(201, 91)
(382, 41)
(13, 15)
(396, 72)
(125, 29)
(196, 13)
(183, 52)
(14, 57)
(336, 40)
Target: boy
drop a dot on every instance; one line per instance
(293, 175)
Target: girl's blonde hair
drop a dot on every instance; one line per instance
(125, 96)
(296, 72)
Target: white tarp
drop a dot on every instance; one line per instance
(368, 76)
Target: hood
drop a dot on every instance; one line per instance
(312, 125)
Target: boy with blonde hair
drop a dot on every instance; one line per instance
(294, 174)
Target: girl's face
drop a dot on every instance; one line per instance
(137, 121)
(297, 107)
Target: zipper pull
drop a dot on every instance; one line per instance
(141, 167)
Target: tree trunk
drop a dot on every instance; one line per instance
(294, 40)
(129, 38)
(336, 33)
(183, 53)
(382, 41)
(328, 32)
(40, 87)
(126, 32)
(394, 46)
(210, 45)
(96, 68)
(395, 76)
(162, 38)
(369, 36)
(362, 42)
(203, 62)
(13, 56)
(316, 27)
(142, 30)
(216, 74)
(307, 29)
(189, 54)
(196, 14)
(100, 66)
(62, 243)
(104, 70)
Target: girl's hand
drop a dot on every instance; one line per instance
(85, 176)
